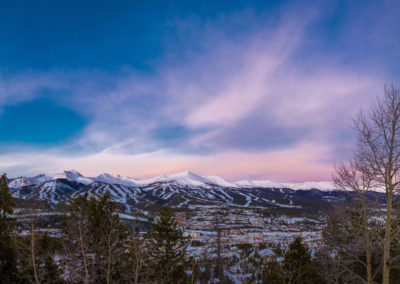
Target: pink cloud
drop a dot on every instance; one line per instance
(256, 78)
(296, 164)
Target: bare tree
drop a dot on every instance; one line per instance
(107, 238)
(376, 164)
(93, 239)
(352, 240)
(137, 255)
(36, 252)
(33, 255)
(355, 226)
(136, 268)
(28, 268)
(76, 241)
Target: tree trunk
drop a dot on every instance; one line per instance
(137, 269)
(109, 259)
(83, 252)
(387, 239)
(33, 255)
(368, 245)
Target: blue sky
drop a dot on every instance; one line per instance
(246, 89)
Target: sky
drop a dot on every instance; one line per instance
(238, 89)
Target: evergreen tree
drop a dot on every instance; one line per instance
(76, 239)
(8, 259)
(50, 271)
(167, 249)
(107, 237)
(298, 266)
(272, 272)
(42, 249)
(135, 261)
(94, 240)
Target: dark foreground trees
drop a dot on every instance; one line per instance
(76, 241)
(36, 259)
(28, 259)
(107, 238)
(375, 165)
(93, 239)
(295, 267)
(99, 249)
(167, 249)
(8, 259)
(351, 250)
(94, 246)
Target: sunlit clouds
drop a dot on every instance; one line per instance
(271, 100)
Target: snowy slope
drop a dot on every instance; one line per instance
(72, 175)
(178, 190)
(185, 178)
(323, 186)
(111, 179)
(216, 180)
(259, 183)
(25, 181)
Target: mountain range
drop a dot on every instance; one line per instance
(178, 190)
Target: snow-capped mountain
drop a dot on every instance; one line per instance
(188, 178)
(25, 181)
(109, 178)
(323, 185)
(185, 178)
(178, 190)
(71, 175)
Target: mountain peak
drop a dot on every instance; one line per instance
(105, 175)
(184, 174)
(183, 178)
(220, 181)
(109, 178)
(73, 173)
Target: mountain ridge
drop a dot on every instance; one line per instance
(179, 190)
(184, 178)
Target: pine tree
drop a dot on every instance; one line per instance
(298, 265)
(36, 259)
(76, 239)
(167, 249)
(135, 261)
(107, 238)
(93, 240)
(8, 259)
(272, 272)
(49, 270)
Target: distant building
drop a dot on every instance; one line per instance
(193, 236)
(181, 221)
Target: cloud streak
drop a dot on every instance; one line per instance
(258, 104)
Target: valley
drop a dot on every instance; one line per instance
(259, 213)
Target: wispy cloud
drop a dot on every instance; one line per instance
(257, 103)
(286, 164)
